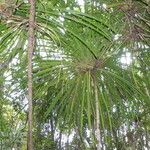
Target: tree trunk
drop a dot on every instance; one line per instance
(97, 120)
(31, 44)
(60, 139)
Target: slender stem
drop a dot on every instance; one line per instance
(97, 120)
(31, 44)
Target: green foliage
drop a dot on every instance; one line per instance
(74, 44)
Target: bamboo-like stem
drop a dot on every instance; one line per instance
(31, 45)
(97, 120)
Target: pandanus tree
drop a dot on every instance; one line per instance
(89, 70)
(79, 80)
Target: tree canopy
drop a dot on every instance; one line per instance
(90, 75)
